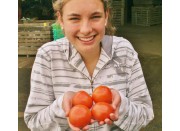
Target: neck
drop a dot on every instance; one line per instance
(91, 59)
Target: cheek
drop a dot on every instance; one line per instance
(100, 28)
(70, 30)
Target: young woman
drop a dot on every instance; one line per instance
(88, 56)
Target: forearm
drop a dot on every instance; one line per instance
(134, 115)
(42, 117)
(43, 109)
(136, 109)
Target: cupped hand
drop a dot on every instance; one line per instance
(67, 105)
(116, 102)
(67, 102)
(78, 129)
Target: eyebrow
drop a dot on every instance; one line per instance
(94, 13)
(97, 13)
(73, 14)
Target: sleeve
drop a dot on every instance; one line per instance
(136, 109)
(43, 111)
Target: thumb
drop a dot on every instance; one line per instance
(116, 102)
(67, 103)
(116, 99)
(67, 109)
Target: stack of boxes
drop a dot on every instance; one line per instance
(146, 12)
(119, 12)
(33, 35)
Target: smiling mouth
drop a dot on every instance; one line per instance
(86, 39)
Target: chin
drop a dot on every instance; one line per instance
(87, 49)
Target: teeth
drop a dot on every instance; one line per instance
(86, 38)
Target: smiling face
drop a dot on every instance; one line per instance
(84, 22)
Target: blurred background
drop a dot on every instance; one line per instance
(139, 21)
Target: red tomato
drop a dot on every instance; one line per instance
(82, 98)
(102, 94)
(101, 110)
(80, 116)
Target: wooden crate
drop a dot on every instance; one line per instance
(120, 3)
(33, 35)
(39, 21)
(118, 7)
(147, 16)
(147, 2)
(118, 17)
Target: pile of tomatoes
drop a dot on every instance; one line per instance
(85, 107)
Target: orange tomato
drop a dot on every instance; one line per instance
(101, 110)
(82, 98)
(102, 94)
(80, 116)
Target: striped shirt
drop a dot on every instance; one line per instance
(59, 68)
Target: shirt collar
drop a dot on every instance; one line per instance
(75, 59)
(107, 43)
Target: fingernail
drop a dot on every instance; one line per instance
(67, 113)
(114, 107)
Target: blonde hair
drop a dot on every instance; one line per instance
(110, 29)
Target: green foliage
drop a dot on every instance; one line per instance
(39, 9)
(57, 31)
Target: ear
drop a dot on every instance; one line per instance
(106, 16)
(59, 18)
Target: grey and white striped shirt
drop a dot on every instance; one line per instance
(59, 68)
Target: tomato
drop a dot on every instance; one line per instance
(102, 94)
(82, 98)
(101, 110)
(80, 116)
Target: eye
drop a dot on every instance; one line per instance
(96, 17)
(74, 18)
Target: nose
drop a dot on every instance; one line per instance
(85, 28)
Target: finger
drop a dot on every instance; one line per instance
(73, 127)
(85, 128)
(67, 108)
(116, 99)
(108, 121)
(101, 123)
(67, 102)
(117, 112)
(113, 117)
(92, 121)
